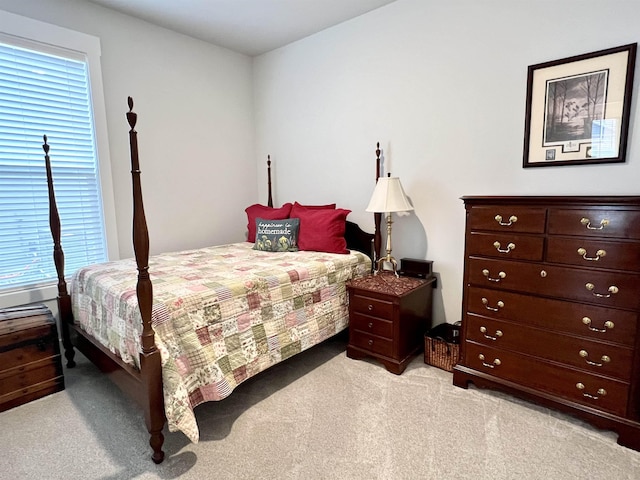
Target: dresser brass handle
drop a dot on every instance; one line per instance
(498, 334)
(496, 362)
(370, 342)
(612, 291)
(500, 305)
(512, 219)
(370, 307)
(370, 325)
(599, 254)
(510, 246)
(501, 275)
(601, 392)
(604, 359)
(607, 325)
(587, 223)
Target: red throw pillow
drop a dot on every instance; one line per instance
(267, 213)
(298, 208)
(322, 230)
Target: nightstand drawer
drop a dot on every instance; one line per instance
(371, 306)
(376, 326)
(372, 343)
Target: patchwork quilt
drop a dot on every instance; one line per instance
(221, 314)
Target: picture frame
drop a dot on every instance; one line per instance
(577, 109)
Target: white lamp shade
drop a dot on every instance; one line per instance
(389, 196)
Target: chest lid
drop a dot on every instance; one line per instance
(20, 325)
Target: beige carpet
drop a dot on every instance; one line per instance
(319, 415)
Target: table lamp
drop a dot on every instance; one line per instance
(388, 197)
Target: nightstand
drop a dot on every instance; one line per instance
(388, 317)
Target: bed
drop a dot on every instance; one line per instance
(212, 318)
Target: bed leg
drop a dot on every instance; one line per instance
(69, 352)
(64, 309)
(156, 440)
(150, 366)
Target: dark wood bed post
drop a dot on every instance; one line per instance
(270, 199)
(64, 300)
(377, 240)
(150, 361)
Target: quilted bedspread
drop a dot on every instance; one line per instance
(220, 314)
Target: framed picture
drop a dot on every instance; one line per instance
(578, 108)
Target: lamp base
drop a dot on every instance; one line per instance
(380, 265)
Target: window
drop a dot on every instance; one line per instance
(47, 90)
(42, 93)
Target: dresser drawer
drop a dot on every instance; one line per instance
(595, 253)
(595, 286)
(589, 321)
(502, 218)
(372, 343)
(376, 326)
(517, 247)
(591, 356)
(600, 222)
(371, 306)
(530, 372)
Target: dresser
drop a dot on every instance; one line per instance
(388, 317)
(550, 305)
(30, 363)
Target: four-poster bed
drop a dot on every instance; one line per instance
(175, 350)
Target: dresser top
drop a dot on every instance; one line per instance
(565, 200)
(387, 283)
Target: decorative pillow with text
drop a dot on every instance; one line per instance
(277, 235)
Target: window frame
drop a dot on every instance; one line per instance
(48, 38)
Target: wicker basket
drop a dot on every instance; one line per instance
(441, 346)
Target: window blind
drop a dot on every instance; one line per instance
(44, 94)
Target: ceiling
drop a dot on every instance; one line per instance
(251, 27)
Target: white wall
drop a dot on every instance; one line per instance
(441, 85)
(195, 125)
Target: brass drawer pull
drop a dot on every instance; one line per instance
(370, 324)
(498, 334)
(587, 223)
(501, 275)
(601, 392)
(607, 325)
(599, 254)
(370, 342)
(512, 219)
(500, 305)
(370, 307)
(612, 291)
(496, 362)
(604, 359)
(510, 246)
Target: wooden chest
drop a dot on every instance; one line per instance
(551, 303)
(30, 363)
